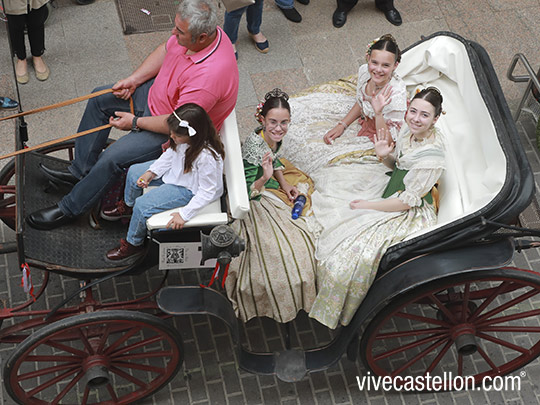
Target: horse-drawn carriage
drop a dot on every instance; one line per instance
(444, 301)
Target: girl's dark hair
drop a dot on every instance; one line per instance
(433, 96)
(386, 43)
(275, 99)
(205, 138)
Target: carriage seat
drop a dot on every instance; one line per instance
(235, 186)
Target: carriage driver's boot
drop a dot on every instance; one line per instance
(48, 218)
(123, 252)
(64, 177)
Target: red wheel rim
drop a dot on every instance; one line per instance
(481, 327)
(115, 361)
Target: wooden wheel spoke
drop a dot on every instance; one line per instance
(122, 339)
(85, 395)
(68, 387)
(419, 356)
(503, 343)
(422, 319)
(528, 329)
(110, 389)
(103, 340)
(44, 371)
(487, 359)
(488, 300)
(409, 346)
(137, 345)
(138, 366)
(128, 377)
(508, 318)
(507, 305)
(460, 365)
(414, 332)
(51, 382)
(147, 355)
(437, 359)
(85, 341)
(443, 308)
(66, 348)
(51, 358)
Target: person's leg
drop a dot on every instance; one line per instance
(232, 22)
(132, 190)
(135, 147)
(36, 30)
(16, 24)
(165, 197)
(254, 17)
(97, 112)
(384, 5)
(339, 18)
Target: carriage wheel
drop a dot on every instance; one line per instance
(7, 182)
(473, 326)
(107, 357)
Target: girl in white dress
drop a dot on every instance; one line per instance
(358, 225)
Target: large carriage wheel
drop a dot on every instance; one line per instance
(7, 181)
(106, 357)
(473, 325)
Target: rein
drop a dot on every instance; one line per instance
(58, 105)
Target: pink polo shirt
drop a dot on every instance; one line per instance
(208, 78)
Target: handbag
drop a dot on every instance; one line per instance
(231, 5)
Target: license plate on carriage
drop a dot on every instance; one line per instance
(182, 255)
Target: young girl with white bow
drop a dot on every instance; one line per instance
(189, 175)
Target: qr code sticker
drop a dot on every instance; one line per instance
(175, 255)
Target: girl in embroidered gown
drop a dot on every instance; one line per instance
(355, 236)
(275, 275)
(316, 139)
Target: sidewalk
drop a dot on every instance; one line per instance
(86, 48)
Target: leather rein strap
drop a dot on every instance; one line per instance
(58, 105)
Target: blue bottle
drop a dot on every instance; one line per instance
(299, 203)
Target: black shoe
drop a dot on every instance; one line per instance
(59, 176)
(48, 218)
(339, 18)
(393, 16)
(304, 2)
(85, 2)
(291, 14)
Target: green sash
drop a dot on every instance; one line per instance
(396, 184)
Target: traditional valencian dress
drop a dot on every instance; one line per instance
(275, 275)
(317, 112)
(351, 243)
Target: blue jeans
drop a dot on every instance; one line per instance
(162, 198)
(253, 17)
(98, 169)
(285, 4)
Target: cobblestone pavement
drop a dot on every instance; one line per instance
(85, 47)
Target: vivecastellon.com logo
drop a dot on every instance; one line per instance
(444, 382)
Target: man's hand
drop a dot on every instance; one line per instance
(124, 88)
(177, 222)
(123, 120)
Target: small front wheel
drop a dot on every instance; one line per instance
(107, 357)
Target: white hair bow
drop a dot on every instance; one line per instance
(185, 124)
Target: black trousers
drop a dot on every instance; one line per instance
(34, 21)
(383, 5)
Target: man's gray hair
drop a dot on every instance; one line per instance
(201, 14)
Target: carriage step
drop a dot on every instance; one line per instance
(290, 365)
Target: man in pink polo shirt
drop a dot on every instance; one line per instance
(196, 65)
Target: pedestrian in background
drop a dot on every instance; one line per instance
(29, 14)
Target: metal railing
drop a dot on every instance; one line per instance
(531, 78)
